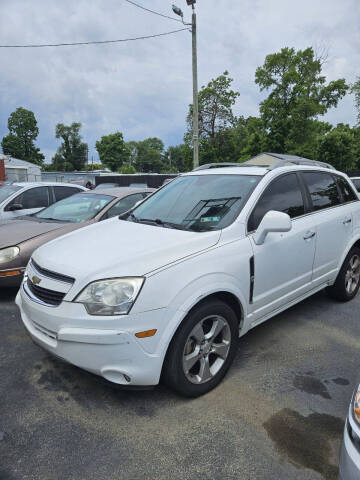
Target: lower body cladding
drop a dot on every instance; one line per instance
(113, 353)
(349, 468)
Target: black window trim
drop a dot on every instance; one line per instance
(103, 217)
(303, 193)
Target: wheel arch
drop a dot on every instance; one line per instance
(228, 297)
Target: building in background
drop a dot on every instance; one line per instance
(20, 171)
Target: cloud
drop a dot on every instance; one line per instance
(143, 88)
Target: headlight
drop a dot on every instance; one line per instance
(7, 254)
(110, 297)
(356, 405)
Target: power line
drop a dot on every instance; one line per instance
(93, 42)
(152, 11)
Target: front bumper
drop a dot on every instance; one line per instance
(349, 467)
(107, 348)
(13, 280)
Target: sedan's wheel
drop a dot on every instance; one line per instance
(202, 349)
(347, 282)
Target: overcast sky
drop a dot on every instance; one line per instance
(143, 88)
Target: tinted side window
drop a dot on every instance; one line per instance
(356, 182)
(283, 195)
(64, 192)
(123, 205)
(347, 192)
(33, 198)
(323, 190)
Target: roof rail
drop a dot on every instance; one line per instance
(311, 163)
(217, 165)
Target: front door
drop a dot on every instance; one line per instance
(283, 263)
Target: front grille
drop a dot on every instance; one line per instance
(47, 296)
(53, 275)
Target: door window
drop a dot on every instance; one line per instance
(33, 198)
(284, 195)
(123, 205)
(64, 192)
(346, 191)
(323, 189)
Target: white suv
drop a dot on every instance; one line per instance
(165, 291)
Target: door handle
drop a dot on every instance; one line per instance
(309, 235)
(346, 221)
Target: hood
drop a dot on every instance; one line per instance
(120, 248)
(17, 231)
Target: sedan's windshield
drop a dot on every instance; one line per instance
(7, 190)
(77, 208)
(197, 202)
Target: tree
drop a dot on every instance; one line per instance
(298, 95)
(113, 151)
(355, 89)
(147, 155)
(19, 143)
(338, 147)
(178, 159)
(127, 169)
(72, 153)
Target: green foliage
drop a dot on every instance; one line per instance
(338, 147)
(127, 170)
(19, 143)
(298, 95)
(147, 155)
(72, 153)
(355, 89)
(178, 159)
(113, 151)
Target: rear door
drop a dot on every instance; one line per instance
(283, 264)
(332, 217)
(32, 200)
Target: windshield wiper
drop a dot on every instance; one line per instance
(161, 223)
(53, 219)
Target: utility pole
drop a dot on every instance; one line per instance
(193, 24)
(195, 91)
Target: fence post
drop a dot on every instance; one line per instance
(2, 170)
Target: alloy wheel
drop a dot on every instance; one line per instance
(206, 349)
(352, 275)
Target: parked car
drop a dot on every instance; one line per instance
(166, 291)
(24, 198)
(101, 186)
(20, 237)
(356, 182)
(349, 468)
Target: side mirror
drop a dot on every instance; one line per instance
(272, 221)
(14, 207)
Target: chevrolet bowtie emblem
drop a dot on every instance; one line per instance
(36, 280)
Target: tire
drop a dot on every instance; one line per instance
(347, 282)
(202, 349)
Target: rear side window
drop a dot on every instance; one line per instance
(64, 192)
(345, 189)
(283, 195)
(33, 198)
(323, 190)
(356, 182)
(123, 205)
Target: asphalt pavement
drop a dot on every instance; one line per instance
(279, 413)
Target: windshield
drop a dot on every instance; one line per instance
(7, 190)
(197, 202)
(77, 208)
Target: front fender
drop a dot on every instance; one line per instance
(192, 294)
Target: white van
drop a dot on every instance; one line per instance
(166, 291)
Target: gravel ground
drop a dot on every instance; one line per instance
(279, 413)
